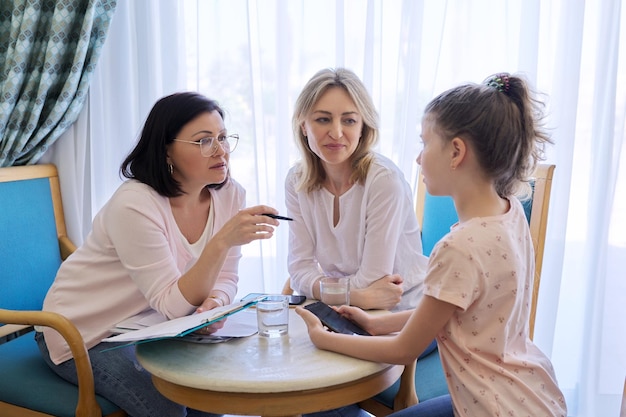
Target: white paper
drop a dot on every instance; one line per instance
(175, 327)
(242, 324)
(140, 321)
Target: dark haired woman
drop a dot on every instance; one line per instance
(168, 240)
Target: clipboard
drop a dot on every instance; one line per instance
(181, 326)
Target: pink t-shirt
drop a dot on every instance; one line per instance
(485, 266)
(130, 262)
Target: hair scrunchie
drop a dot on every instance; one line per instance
(499, 81)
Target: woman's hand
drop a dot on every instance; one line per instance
(209, 304)
(384, 294)
(248, 225)
(212, 328)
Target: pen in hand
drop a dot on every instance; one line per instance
(277, 217)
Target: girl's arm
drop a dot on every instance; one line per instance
(376, 324)
(424, 323)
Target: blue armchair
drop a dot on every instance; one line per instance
(32, 246)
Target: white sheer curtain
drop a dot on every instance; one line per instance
(255, 56)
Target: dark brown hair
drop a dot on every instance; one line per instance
(147, 162)
(501, 121)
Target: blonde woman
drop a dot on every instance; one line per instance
(352, 208)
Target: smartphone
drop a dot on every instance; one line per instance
(294, 300)
(335, 321)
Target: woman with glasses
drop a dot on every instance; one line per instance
(168, 240)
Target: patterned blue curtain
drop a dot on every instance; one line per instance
(48, 51)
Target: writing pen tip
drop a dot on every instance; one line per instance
(277, 217)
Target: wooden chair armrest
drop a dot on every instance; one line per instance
(87, 405)
(66, 247)
(406, 395)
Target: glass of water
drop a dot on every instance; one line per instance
(335, 291)
(272, 315)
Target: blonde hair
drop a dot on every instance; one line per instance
(312, 172)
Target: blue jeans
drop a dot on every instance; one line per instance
(347, 411)
(435, 407)
(119, 378)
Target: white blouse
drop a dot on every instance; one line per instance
(377, 233)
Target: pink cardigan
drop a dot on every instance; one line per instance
(131, 261)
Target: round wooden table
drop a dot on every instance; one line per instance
(256, 376)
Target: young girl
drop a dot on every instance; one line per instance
(481, 142)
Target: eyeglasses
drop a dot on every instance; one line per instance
(209, 145)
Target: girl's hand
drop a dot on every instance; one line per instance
(358, 316)
(315, 327)
(248, 225)
(383, 294)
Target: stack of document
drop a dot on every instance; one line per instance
(151, 325)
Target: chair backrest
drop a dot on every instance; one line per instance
(538, 222)
(31, 224)
(437, 214)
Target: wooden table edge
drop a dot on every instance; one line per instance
(281, 404)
